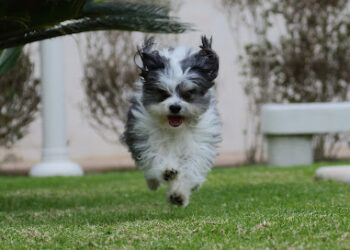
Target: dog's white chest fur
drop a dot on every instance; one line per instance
(190, 147)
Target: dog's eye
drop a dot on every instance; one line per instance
(163, 94)
(188, 94)
(191, 91)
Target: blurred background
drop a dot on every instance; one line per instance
(270, 51)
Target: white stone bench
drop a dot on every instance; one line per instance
(289, 129)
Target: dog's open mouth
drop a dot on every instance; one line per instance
(175, 120)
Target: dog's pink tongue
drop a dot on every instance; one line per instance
(175, 121)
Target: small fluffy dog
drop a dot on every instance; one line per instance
(173, 126)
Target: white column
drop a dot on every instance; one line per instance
(55, 160)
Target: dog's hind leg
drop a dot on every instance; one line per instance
(152, 184)
(153, 179)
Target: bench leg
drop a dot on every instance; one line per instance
(289, 150)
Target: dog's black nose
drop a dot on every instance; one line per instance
(175, 109)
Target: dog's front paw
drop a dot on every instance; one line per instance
(178, 199)
(170, 174)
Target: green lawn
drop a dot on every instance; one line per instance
(242, 208)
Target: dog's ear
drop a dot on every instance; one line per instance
(151, 60)
(206, 62)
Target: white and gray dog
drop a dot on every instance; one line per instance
(173, 126)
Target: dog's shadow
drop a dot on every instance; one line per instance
(81, 208)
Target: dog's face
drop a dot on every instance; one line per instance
(177, 82)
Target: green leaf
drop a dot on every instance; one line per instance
(8, 58)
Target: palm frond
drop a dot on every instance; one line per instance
(126, 23)
(95, 9)
(47, 16)
(23, 21)
(18, 16)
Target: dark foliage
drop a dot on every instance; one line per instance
(19, 100)
(109, 79)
